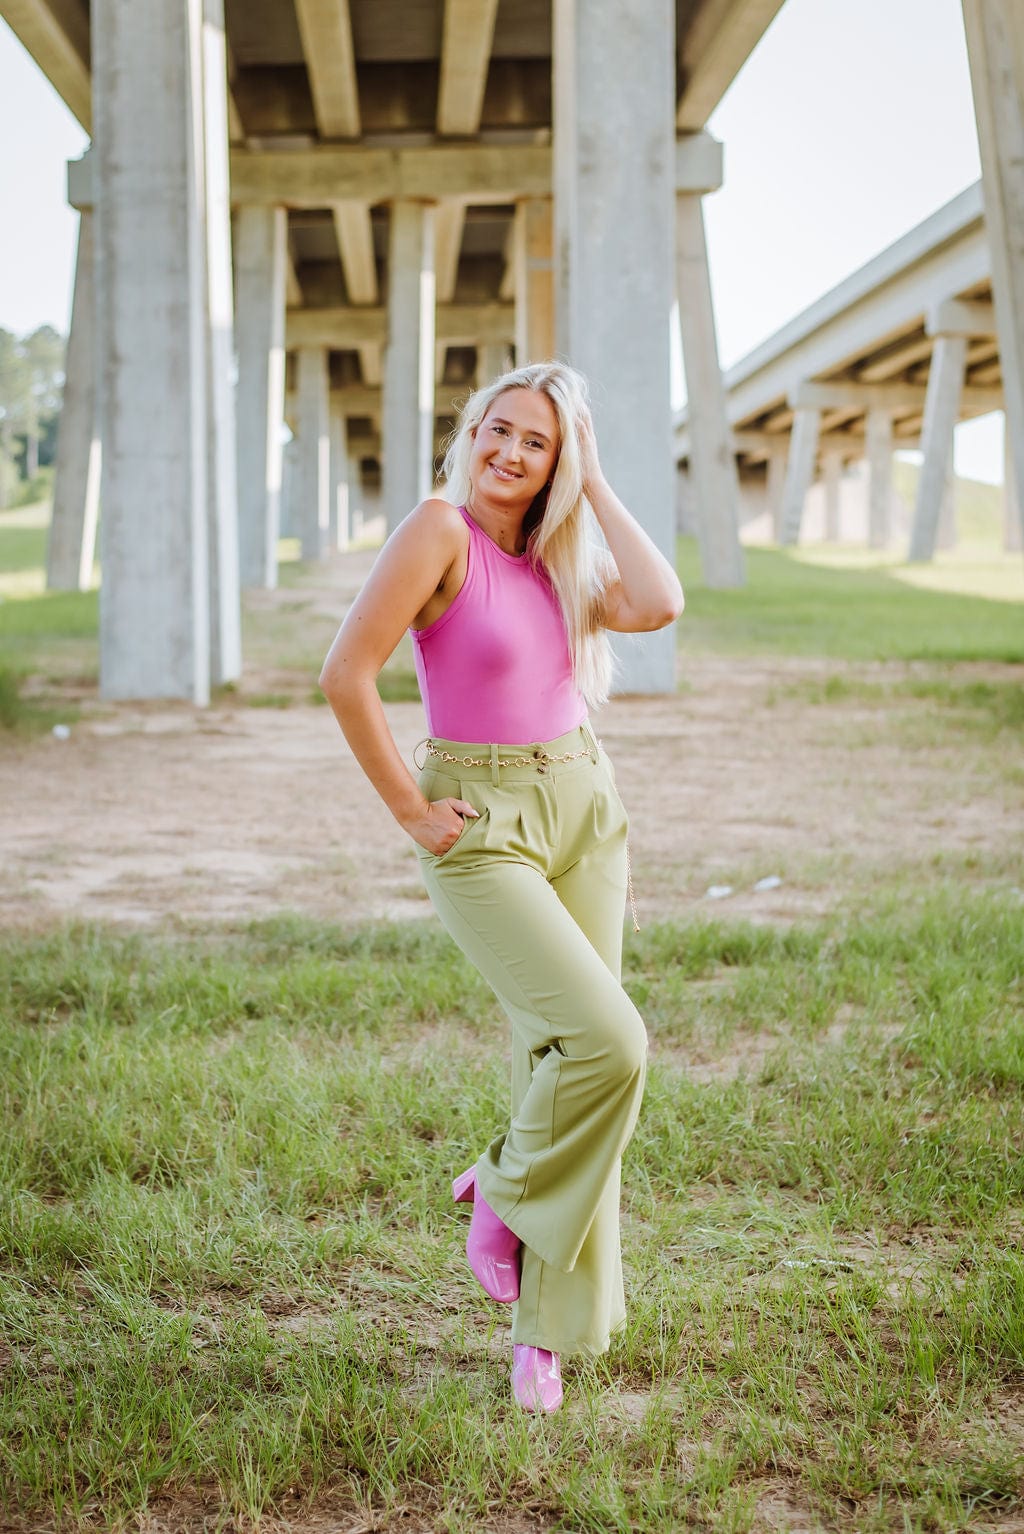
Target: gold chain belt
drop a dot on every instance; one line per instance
(536, 758)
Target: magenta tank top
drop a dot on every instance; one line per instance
(495, 667)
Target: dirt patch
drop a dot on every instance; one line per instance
(158, 813)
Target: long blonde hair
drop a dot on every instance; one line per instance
(556, 523)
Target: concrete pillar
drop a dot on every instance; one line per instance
(614, 114)
(712, 460)
(947, 535)
(355, 498)
(941, 408)
(1013, 518)
(775, 486)
(995, 49)
(408, 404)
(151, 349)
(534, 268)
(76, 487)
(313, 457)
(803, 453)
(222, 480)
(879, 454)
(260, 265)
(338, 524)
(832, 465)
(492, 359)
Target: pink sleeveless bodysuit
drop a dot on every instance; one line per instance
(495, 667)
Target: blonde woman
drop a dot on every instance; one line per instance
(519, 830)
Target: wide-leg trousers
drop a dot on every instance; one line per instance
(533, 893)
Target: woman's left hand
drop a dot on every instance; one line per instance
(590, 463)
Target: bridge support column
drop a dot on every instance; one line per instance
(76, 486)
(260, 235)
(613, 112)
(832, 466)
(803, 453)
(1013, 515)
(313, 462)
(533, 264)
(221, 437)
(946, 535)
(338, 525)
(995, 49)
(151, 337)
(408, 410)
(712, 460)
(879, 451)
(775, 487)
(941, 408)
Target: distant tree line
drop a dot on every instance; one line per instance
(31, 387)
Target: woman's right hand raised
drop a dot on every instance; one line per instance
(440, 825)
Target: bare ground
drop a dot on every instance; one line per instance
(158, 813)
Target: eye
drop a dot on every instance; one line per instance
(536, 444)
(500, 430)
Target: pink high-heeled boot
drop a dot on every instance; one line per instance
(536, 1378)
(491, 1248)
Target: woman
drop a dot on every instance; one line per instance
(519, 830)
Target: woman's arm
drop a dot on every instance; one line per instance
(410, 569)
(646, 594)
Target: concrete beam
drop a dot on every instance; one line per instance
(363, 400)
(409, 361)
(353, 228)
(960, 317)
(879, 449)
(533, 273)
(449, 221)
(56, 34)
(851, 394)
(700, 165)
(712, 51)
(326, 31)
(342, 329)
(318, 178)
(71, 546)
(466, 39)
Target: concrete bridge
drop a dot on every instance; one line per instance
(397, 195)
(891, 358)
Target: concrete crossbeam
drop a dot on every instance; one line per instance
(317, 178)
(839, 396)
(466, 39)
(325, 27)
(960, 317)
(341, 329)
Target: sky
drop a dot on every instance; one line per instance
(851, 122)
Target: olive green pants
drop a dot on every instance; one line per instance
(533, 893)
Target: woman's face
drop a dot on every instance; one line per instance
(515, 448)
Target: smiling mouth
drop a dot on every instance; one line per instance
(508, 474)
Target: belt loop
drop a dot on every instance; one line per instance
(495, 772)
(591, 740)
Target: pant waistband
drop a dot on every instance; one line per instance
(515, 763)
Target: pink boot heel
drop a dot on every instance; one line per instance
(491, 1248)
(536, 1379)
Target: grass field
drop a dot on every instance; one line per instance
(232, 1294)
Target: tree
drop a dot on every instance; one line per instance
(43, 353)
(14, 387)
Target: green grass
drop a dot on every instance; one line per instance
(230, 1271)
(792, 606)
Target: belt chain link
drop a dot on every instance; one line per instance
(540, 759)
